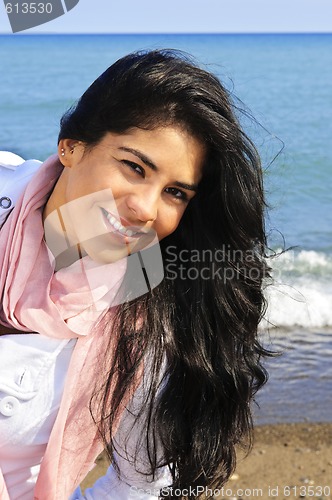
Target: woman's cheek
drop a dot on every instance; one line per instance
(169, 226)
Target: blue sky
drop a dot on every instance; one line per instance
(183, 16)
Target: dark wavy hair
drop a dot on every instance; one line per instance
(199, 335)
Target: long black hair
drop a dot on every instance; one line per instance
(198, 328)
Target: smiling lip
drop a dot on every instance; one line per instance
(120, 228)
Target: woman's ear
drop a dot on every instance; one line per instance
(67, 151)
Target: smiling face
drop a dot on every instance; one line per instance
(117, 196)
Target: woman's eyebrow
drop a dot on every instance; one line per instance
(141, 156)
(149, 163)
(183, 185)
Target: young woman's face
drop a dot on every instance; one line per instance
(116, 197)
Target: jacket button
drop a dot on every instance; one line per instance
(5, 202)
(9, 406)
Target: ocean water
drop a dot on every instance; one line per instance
(284, 81)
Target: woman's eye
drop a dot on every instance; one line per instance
(177, 193)
(135, 167)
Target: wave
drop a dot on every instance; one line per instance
(301, 293)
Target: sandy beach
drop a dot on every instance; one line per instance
(288, 461)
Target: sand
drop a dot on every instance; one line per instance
(288, 461)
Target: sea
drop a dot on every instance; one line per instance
(282, 88)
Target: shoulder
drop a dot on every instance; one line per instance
(15, 173)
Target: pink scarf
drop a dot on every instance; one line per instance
(36, 299)
(62, 305)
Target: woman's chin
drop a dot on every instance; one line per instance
(103, 252)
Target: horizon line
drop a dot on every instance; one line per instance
(191, 33)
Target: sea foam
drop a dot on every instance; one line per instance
(301, 293)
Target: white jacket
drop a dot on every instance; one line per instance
(15, 173)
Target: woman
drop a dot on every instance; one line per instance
(151, 161)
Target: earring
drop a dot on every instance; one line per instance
(62, 152)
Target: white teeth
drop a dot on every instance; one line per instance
(118, 226)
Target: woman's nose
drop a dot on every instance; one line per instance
(144, 205)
